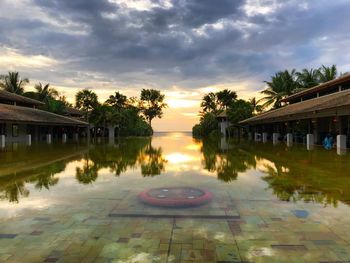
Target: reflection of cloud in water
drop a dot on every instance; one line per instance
(264, 165)
(193, 147)
(222, 237)
(141, 257)
(201, 232)
(177, 158)
(254, 252)
(8, 209)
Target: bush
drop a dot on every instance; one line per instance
(207, 126)
(134, 125)
(197, 130)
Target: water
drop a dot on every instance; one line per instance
(77, 202)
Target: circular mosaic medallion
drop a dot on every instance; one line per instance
(176, 196)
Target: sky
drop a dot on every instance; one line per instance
(185, 48)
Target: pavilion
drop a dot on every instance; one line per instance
(308, 116)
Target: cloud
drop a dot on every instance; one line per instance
(13, 60)
(124, 45)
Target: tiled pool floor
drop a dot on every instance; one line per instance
(78, 203)
(108, 230)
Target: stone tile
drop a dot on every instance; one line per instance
(227, 252)
(36, 233)
(47, 260)
(123, 240)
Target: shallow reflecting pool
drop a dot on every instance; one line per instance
(80, 202)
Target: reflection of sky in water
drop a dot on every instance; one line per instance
(52, 176)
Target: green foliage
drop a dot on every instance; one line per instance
(209, 103)
(86, 100)
(13, 83)
(133, 124)
(286, 83)
(45, 93)
(226, 98)
(256, 107)
(208, 125)
(118, 100)
(126, 119)
(281, 85)
(197, 130)
(101, 115)
(31, 94)
(217, 102)
(308, 78)
(226, 164)
(223, 101)
(327, 73)
(152, 104)
(54, 106)
(239, 111)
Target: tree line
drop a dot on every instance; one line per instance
(132, 116)
(288, 82)
(281, 85)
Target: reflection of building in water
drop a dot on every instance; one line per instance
(128, 154)
(225, 163)
(223, 144)
(309, 116)
(298, 174)
(223, 123)
(34, 169)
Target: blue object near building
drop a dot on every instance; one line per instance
(301, 213)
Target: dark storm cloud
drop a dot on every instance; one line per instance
(198, 41)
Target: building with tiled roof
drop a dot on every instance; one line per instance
(22, 121)
(309, 116)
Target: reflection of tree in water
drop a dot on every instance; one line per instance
(88, 173)
(299, 175)
(13, 191)
(44, 177)
(227, 164)
(152, 161)
(290, 187)
(128, 153)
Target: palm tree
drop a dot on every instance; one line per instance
(225, 98)
(282, 84)
(118, 100)
(13, 83)
(99, 116)
(327, 73)
(86, 100)
(152, 104)
(308, 78)
(209, 103)
(256, 107)
(45, 93)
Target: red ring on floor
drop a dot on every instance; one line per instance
(205, 197)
